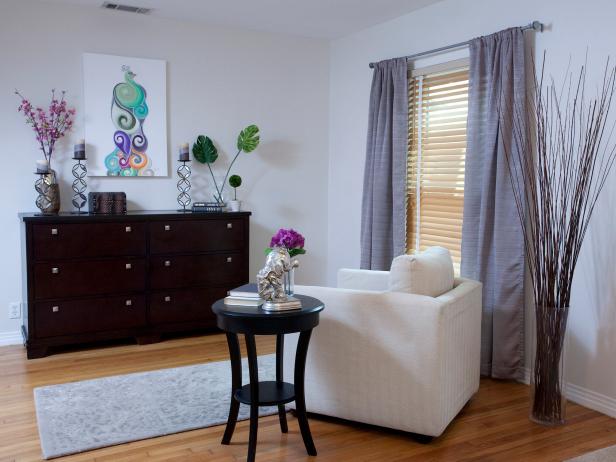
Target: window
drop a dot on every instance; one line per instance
(438, 105)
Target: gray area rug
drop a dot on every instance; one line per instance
(602, 455)
(80, 416)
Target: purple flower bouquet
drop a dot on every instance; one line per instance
(290, 240)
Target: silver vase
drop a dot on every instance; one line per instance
(48, 189)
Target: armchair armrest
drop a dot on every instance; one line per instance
(363, 279)
(465, 293)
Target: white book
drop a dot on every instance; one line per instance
(237, 301)
(248, 291)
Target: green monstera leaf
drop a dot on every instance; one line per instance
(248, 139)
(204, 150)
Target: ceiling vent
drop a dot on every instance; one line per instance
(126, 8)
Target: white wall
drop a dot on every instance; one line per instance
(573, 27)
(219, 80)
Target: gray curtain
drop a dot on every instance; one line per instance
(383, 220)
(492, 241)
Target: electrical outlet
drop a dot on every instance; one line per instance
(14, 310)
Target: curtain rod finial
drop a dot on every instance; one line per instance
(371, 65)
(538, 26)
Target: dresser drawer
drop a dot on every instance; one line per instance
(184, 305)
(88, 240)
(196, 236)
(61, 279)
(194, 270)
(89, 315)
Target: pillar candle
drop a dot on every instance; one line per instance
(184, 152)
(42, 166)
(80, 150)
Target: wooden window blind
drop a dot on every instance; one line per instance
(438, 106)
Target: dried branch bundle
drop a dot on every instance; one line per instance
(559, 158)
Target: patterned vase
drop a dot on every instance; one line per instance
(48, 189)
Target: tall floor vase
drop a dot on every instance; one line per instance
(548, 389)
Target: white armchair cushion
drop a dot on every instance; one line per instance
(426, 273)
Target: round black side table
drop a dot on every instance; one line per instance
(251, 321)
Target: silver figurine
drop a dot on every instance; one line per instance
(270, 281)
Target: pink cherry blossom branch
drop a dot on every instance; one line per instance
(50, 125)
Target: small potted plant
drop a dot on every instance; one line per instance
(235, 181)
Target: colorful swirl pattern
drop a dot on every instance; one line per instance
(129, 110)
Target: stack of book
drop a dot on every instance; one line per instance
(246, 295)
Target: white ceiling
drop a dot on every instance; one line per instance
(311, 18)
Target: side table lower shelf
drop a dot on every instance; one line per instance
(271, 393)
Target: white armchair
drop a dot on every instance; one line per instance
(392, 359)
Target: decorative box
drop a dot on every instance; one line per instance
(107, 202)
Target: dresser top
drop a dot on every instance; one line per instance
(133, 215)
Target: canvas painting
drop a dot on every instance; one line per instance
(125, 105)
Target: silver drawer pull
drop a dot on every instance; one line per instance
(128, 229)
(129, 303)
(55, 270)
(229, 225)
(55, 309)
(229, 259)
(54, 231)
(167, 262)
(129, 266)
(167, 298)
(167, 227)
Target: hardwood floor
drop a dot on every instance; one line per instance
(492, 427)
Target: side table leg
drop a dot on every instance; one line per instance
(254, 395)
(282, 412)
(236, 383)
(300, 403)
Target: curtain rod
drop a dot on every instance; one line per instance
(535, 25)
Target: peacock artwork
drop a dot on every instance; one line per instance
(129, 110)
(125, 116)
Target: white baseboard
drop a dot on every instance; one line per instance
(11, 338)
(592, 399)
(585, 397)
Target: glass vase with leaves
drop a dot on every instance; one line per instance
(206, 152)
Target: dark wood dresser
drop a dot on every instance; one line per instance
(142, 274)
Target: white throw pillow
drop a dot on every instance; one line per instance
(426, 273)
